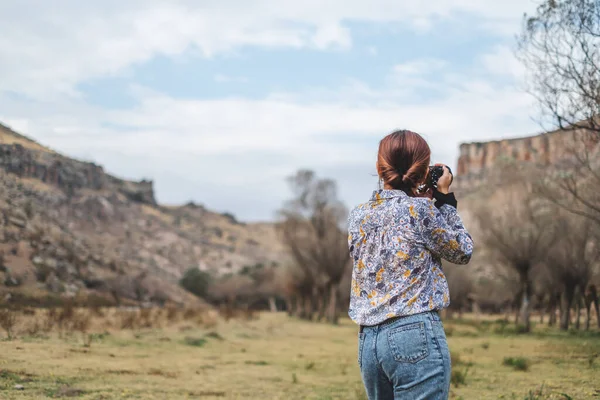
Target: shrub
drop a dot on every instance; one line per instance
(536, 394)
(97, 311)
(146, 318)
(81, 322)
(196, 282)
(196, 342)
(34, 328)
(214, 335)
(190, 313)
(502, 324)
(8, 320)
(172, 313)
(518, 363)
(257, 363)
(64, 316)
(49, 320)
(459, 376)
(521, 329)
(128, 319)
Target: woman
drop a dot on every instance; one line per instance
(397, 240)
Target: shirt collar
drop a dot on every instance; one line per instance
(381, 194)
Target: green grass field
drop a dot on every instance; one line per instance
(275, 357)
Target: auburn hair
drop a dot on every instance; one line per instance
(403, 161)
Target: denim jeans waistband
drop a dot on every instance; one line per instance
(430, 315)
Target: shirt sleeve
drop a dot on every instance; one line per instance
(443, 233)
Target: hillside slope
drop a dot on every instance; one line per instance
(68, 227)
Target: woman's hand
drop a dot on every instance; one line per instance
(443, 185)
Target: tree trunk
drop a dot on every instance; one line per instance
(588, 315)
(272, 304)
(476, 310)
(540, 305)
(308, 307)
(333, 312)
(565, 307)
(552, 316)
(518, 299)
(300, 303)
(289, 305)
(594, 297)
(578, 308)
(322, 302)
(525, 306)
(554, 300)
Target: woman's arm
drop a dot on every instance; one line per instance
(444, 234)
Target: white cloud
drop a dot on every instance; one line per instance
(222, 78)
(419, 67)
(48, 47)
(502, 61)
(418, 74)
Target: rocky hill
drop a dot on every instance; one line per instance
(67, 227)
(478, 160)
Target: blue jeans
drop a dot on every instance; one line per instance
(405, 358)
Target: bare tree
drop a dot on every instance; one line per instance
(572, 261)
(560, 47)
(312, 228)
(461, 288)
(517, 230)
(303, 278)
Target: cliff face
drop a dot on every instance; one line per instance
(25, 158)
(478, 160)
(67, 227)
(543, 149)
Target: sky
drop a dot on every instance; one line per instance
(219, 101)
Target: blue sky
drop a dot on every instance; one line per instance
(218, 102)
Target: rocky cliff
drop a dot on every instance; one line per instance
(477, 157)
(25, 158)
(67, 227)
(477, 160)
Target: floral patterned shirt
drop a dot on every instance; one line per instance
(396, 244)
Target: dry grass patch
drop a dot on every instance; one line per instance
(250, 359)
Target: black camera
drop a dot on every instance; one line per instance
(435, 173)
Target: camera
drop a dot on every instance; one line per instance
(435, 173)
